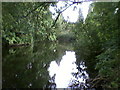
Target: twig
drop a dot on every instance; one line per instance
(96, 80)
(33, 10)
(60, 13)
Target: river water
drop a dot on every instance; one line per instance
(43, 65)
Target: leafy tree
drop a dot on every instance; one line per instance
(98, 41)
(25, 22)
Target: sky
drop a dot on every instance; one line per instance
(69, 14)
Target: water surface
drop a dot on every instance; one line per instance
(43, 65)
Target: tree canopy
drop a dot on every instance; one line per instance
(97, 39)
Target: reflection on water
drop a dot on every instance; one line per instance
(67, 74)
(26, 67)
(46, 65)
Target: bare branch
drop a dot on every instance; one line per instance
(59, 14)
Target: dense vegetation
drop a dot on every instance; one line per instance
(97, 39)
(99, 42)
(26, 22)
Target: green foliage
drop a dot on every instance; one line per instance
(98, 39)
(25, 22)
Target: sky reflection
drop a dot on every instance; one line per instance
(67, 73)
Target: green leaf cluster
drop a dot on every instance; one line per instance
(25, 22)
(99, 41)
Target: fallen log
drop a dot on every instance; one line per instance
(18, 45)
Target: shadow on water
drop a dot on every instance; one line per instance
(45, 65)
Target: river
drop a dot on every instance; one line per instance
(43, 65)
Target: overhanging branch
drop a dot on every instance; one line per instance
(60, 13)
(25, 16)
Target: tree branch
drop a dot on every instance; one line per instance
(78, 1)
(32, 11)
(73, 2)
(60, 13)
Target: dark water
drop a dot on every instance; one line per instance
(43, 65)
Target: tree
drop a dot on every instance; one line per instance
(98, 41)
(25, 22)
